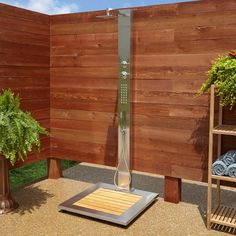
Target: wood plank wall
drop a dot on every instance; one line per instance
(24, 63)
(173, 46)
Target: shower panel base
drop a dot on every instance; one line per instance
(103, 201)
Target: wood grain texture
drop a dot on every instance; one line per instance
(108, 201)
(54, 168)
(172, 189)
(24, 66)
(173, 46)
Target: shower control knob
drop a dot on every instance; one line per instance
(124, 64)
(123, 131)
(124, 74)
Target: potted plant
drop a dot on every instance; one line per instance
(223, 75)
(19, 135)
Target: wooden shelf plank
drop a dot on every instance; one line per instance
(225, 178)
(225, 130)
(224, 215)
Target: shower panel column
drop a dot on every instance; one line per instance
(124, 99)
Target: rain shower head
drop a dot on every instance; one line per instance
(108, 15)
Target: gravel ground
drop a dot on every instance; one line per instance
(38, 213)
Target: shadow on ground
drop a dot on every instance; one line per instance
(192, 192)
(30, 199)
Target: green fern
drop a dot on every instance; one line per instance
(19, 131)
(223, 75)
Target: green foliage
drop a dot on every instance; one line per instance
(223, 75)
(33, 172)
(19, 131)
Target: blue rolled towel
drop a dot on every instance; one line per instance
(219, 168)
(229, 158)
(231, 171)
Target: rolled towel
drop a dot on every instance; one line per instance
(229, 158)
(219, 168)
(231, 171)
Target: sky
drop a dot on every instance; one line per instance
(69, 6)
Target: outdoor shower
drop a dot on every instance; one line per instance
(122, 177)
(118, 203)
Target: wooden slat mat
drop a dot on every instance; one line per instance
(108, 201)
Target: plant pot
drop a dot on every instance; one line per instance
(7, 203)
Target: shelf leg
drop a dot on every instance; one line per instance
(210, 155)
(218, 192)
(209, 203)
(219, 143)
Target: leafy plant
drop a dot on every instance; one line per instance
(19, 131)
(223, 75)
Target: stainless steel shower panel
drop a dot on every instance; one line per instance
(124, 98)
(122, 175)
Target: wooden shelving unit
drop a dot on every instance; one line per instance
(225, 178)
(222, 215)
(225, 129)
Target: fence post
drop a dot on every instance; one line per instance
(54, 168)
(172, 189)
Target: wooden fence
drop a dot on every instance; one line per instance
(173, 46)
(24, 63)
